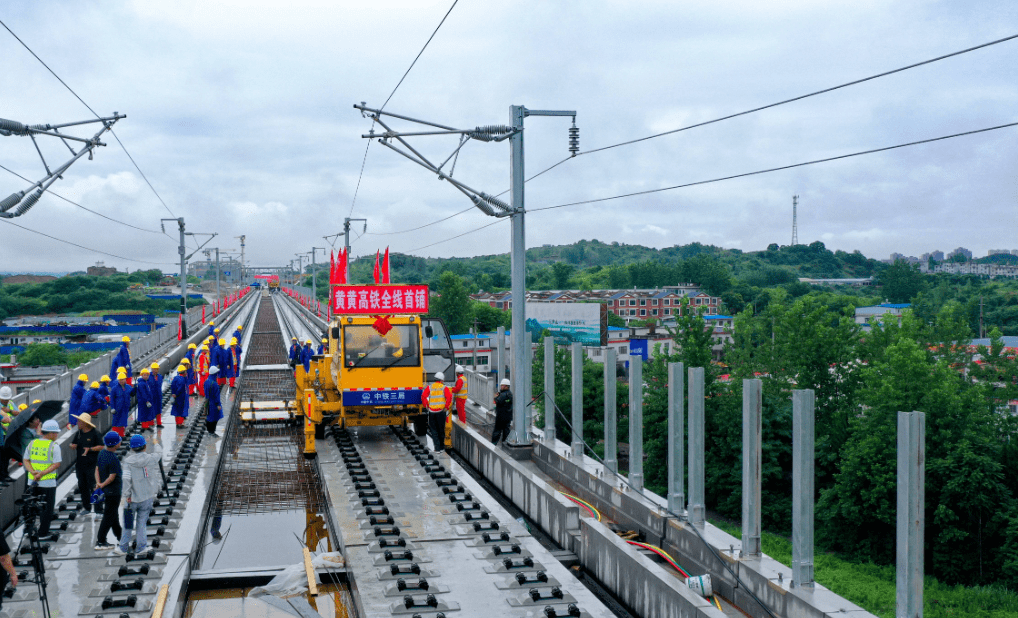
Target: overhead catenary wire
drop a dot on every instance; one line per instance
(776, 169)
(389, 98)
(89, 107)
(74, 244)
(773, 105)
(57, 195)
(477, 229)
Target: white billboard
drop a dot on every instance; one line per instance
(586, 323)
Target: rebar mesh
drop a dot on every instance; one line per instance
(266, 349)
(266, 320)
(265, 472)
(267, 385)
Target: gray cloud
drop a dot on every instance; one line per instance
(240, 114)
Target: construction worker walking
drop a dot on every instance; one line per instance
(74, 405)
(120, 401)
(146, 406)
(123, 359)
(92, 403)
(104, 388)
(459, 391)
(305, 356)
(156, 392)
(181, 400)
(225, 363)
(294, 353)
(192, 377)
(438, 398)
(215, 405)
(234, 351)
(203, 368)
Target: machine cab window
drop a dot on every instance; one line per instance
(366, 347)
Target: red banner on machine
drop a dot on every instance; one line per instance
(379, 299)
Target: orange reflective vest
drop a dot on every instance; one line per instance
(436, 397)
(460, 389)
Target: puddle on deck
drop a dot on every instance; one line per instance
(264, 539)
(333, 601)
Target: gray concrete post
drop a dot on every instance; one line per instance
(696, 447)
(549, 390)
(611, 421)
(911, 516)
(636, 422)
(577, 396)
(752, 445)
(528, 417)
(676, 435)
(803, 458)
(500, 353)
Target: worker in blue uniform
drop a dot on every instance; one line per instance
(156, 393)
(104, 388)
(92, 402)
(294, 353)
(146, 402)
(234, 351)
(74, 405)
(192, 375)
(215, 405)
(120, 401)
(214, 356)
(239, 333)
(123, 359)
(212, 328)
(226, 366)
(181, 399)
(321, 346)
(305, 356)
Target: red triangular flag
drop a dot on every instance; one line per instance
(180, 326)
(378, 274)
(385, 267)
(332, 268)
(344, 267)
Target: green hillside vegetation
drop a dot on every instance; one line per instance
(79, 293)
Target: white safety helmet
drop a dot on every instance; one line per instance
(6, 392)
(440, 376)
(504, 382)
(459, 368)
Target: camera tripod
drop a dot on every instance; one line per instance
(30, 508)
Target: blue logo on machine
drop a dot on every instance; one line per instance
(382, 398)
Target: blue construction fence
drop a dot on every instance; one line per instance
(173, 296)
(86, 329)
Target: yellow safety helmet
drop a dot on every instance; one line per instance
(104, 379)
(155, 366)
(325, 341)
(125, 339)
(216, 331)
(145, 371)
(222, 341)
(181, 369)
(192, 346)
(122, 370)
(94, 385)
(240, 327)
(308, 342)
(35, 401)
(204, 347)
(293, 339)
(22, 408)
(212, 322)
(185, 361)
(233, 341)
(83, 377)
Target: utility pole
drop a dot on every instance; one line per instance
(183, 273)
(314, 271)
(474, 331)
(493, 207)
(242, 238)
(982, 331)
(300, 266)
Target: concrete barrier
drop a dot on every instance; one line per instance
(638, 581)
(557, 516)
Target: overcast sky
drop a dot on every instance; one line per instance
(240, 114)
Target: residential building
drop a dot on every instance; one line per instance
(972, 268)
(880, 312)
(962, 251)
(630, 305)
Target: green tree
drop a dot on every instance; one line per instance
(452, 303)
(900, 281)
(43, 354)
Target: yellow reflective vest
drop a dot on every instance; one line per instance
(436, 397)
(40, 458)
